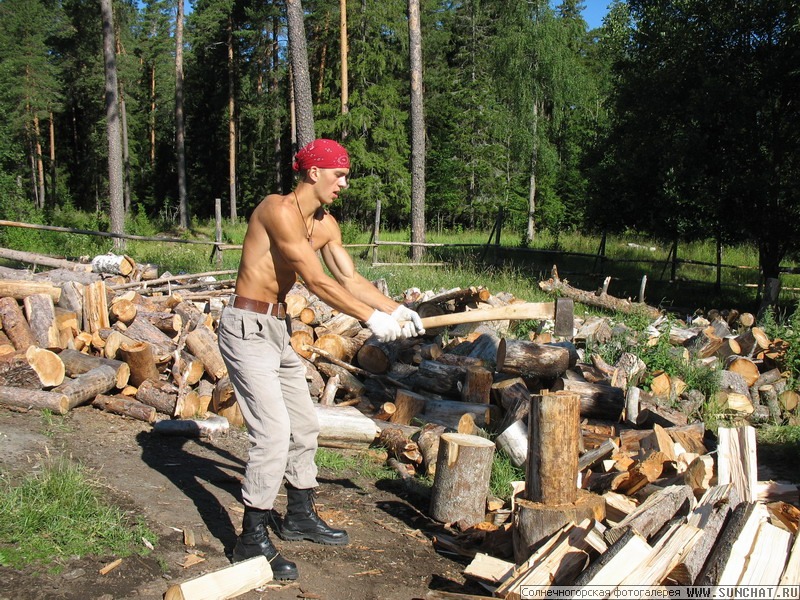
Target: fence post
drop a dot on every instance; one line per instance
(718, 284)
(218, 229)
(674, 268)
(376, 231)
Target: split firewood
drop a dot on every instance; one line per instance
(399, 446)
(33, 368)
(624, 555)
(41, 315)
(736, 460)
(197, 400)
(670, 549)
(122, 405)
(704, 344)
(15, 325)
(223, 402)
(784, 515)
(752, 341)
(95, 306)
(651, 515)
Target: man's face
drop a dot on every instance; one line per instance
(330, 182)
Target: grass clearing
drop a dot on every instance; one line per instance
(59, 512)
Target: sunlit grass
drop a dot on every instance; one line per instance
(59, 512)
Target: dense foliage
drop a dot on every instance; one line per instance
(677, 117)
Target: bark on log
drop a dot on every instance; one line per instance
(449, 412)
(33, 368)
(191, 316)
(19, 290)
(38, 399)
(141, 362)
(555, 285)
(77, 363)
(514, 442)
(439, 378)
(86, 386)
(717, 559)
(122, 405)
(344, 427)
(521, 357)
(598, 401)
(113, 264)
(161, 395)
(41, 315)
(15, 325)
(351, 384)
(144, 331)
(477, 385)
(202, 342)
(342, 347)
(428, 442)
(461, 483)
(552, 468)
(168, 322)
(408, 405)
(399, 445)
(344, 325)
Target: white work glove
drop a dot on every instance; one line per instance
(384, 327)
(410, 323)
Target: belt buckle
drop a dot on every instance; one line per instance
(281, 310)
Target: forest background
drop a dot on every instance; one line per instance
(678, 119)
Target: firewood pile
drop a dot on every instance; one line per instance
(623, 485)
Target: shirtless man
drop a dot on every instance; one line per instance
(283, 235)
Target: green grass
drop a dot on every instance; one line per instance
(59, 512)
(779, 447)
(503, 473)
(364, 464)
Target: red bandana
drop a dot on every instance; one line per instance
(322, 153)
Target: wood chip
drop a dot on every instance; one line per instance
(110, 566)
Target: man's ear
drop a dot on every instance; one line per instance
(313, 173)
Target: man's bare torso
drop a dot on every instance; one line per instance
(264, 274)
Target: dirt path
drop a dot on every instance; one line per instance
(177, 483)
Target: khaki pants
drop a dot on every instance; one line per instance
(270, 385)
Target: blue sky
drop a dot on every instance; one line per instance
(595, 11)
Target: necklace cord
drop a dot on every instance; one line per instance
(309, 232)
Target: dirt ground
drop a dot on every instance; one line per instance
(178, 483)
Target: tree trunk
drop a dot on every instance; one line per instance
(343, 54)
(417, 132)
(531, 231)
(304, 109)
(231, 123)
(115, 179)
(180, 130)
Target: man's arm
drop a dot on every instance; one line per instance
(341, 266)
(286, 232)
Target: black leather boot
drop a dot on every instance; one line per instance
(303, 523)
(254, 541)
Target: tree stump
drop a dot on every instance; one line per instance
(461, 483)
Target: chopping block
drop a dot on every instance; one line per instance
(561, 312)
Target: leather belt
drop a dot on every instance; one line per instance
(276, 309)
